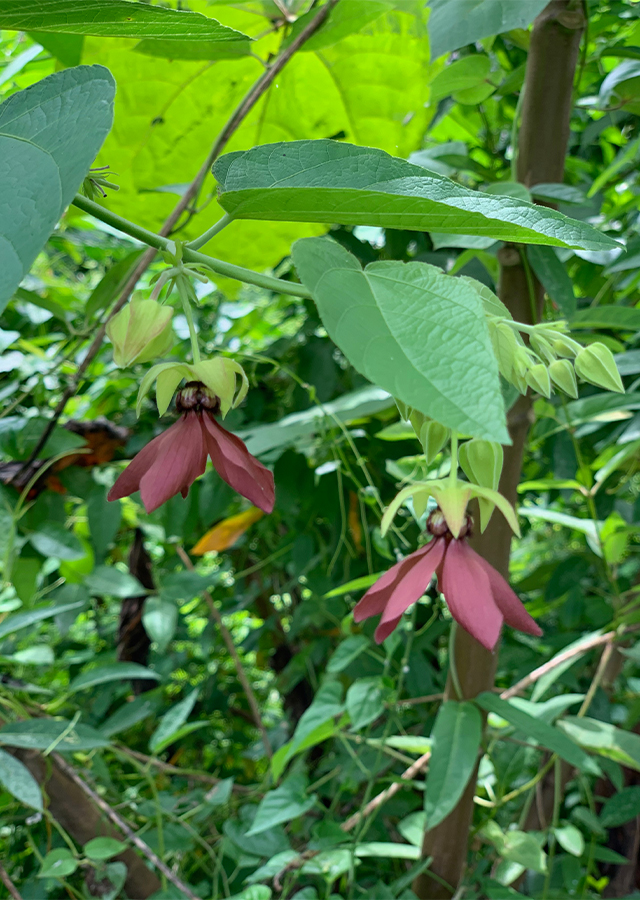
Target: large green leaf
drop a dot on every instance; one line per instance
(372, 86)
(114, 18)
(49, 136)
(328, 181)
(412, 330)
(470, 20)
(456, 739)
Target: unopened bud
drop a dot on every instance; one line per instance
(538, 378)
(542, 347)
(140, 332)
(521, 362)
(596, 365)
(505, 345)
(565, 346)
(563, 376)
(403, 409)
(482, 461)
(433, 437)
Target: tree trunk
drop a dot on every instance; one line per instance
(544, 133)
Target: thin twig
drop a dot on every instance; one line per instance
(408, 775)
(176, 770)
(120, 823)
(231, 647)
(532, 677)
(8, 883)
(597, 678)
(235, 120)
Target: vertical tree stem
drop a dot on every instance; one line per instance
(542, 144)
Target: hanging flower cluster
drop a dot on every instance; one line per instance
(171, 462)
(478, 597)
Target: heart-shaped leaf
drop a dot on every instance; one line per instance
(412, 330)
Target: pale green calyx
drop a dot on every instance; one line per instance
(563, 376)
(596, 365)
(452, 500)
(224, 377)
(431, 434)
(538, 378)
(140, 332)
(481, 462)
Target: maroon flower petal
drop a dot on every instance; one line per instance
(467, 590)
(233, 462)
(378, 595)
(128, 482)
(180, 460)
(411, 586)
(507, 601)
(384, 629)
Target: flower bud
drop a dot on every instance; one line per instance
(433, 436)
(565, 346)
(522, 361)
(403, 409)
(563, 376)
(481, 462)
(596, 365)
(538, 378)
(140, 332)
(542, 347)
(505, 345)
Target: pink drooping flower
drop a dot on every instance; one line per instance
(479, 598)
(171, 462)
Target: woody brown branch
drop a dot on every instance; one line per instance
(542, 144)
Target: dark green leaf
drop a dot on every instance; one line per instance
(111, 581)
(546, 735)
(52, 539)
(104, 519)
(472, 20)
(456, 739)
(112, 283)
(103, 848)
(346, 652)
(326, 181)
(625, 318)
(622, 807)
(113, 672)
(431, 326)
(113, 18)
(18, 780)
(50, 134)
(553, 277)
(364, 702)
(128, 715)
(58, 864)
(32, 616)
(41, 734)
(286, 803)
(172, 721)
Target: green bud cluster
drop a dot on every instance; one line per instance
(552, 360)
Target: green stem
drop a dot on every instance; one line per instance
(209, 233)
(239, 273)
(453, 671)
(453, 474)
(186, 306)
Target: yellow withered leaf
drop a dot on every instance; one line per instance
(226, 533)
